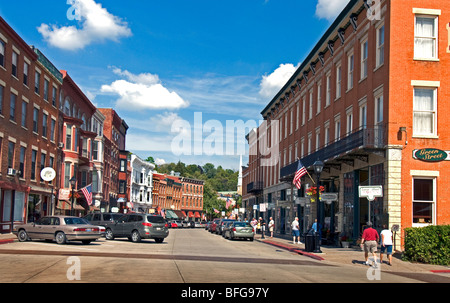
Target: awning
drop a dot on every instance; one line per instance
(170, 214)
(180, 214)
(190, 214)
(197, 215)
(66, 205)
(184, 213)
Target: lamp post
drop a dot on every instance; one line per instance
(73, 182)
(318, 167)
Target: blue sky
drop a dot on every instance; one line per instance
(157, 62)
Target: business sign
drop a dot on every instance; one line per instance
(430, 155)
(370, 192)
(48, 174)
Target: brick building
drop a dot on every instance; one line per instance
(29, 100)
(76, 143)
(192, 199)
(369, 101)
(116, 160)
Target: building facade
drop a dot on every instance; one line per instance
(141, 188)
(29, 99)
(369, 101)
(192, 199)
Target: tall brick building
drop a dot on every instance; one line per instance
(370, 102)
(29, 102)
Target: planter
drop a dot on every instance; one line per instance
(345, 244)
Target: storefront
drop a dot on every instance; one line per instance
(13, 205)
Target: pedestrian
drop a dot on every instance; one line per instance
(271, 226)
(295, 230)
(369, 240)
(386, 244)
(253, 224)
(314, 226)
(262, 224)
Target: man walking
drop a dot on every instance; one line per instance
(369, 241)
(295, 230)
(386, 244)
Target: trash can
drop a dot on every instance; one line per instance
(310, 241)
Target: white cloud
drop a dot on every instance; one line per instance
(271, 84)
(159, 161)
(329, 9)
(97, 24)
(142, 91)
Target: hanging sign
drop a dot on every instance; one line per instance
(430, 155)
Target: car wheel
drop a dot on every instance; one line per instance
(60, 238)
(22, 235)
(231, 236)
(159, 240)
(109, 234)
(135, 236)
(251, 239)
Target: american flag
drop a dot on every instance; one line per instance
(228, 203)
(87, 191)
(301, 171)
(216, 211)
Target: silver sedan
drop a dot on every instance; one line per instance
(60, 229)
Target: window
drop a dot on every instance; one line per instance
(363, 115)
(37, 80)
(311, 101)
(338, 81)
(24, 113)
(22, 162)
(123, 165)
(351, 67)
(380, 45)
(33, 164)
(424, 111)
(52, 129)
(2, 53)
(12, 109)
(67, 175)
(2, 89)
(337, 128)
(68, 137)
(364, 57)
(26, 66)
(14, 64)
(423, 201)
(425, 37)
(43, 158)
(54, 93)
(328, 93)
(303, 111)
(11, 146)
(44, 125)
(319, 98)
(46, 86)
(379, 109)
(35, 119)
(349, 121)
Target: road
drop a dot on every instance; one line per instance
(186, 256)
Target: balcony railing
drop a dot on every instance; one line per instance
(254, 186)
(367, 138)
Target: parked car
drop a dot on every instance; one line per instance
(136, 227)
(177, 223)
(60, 229)
(225, 226)
(102, 219)
(203, 224)
(220, 225)
(239, 230)
(207, 225)
(213, 225)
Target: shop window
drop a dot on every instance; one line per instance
(423, 201)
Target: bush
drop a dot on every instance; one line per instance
(429, 244)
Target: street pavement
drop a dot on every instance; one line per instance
(355, 256)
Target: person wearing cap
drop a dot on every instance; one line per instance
(369, 240)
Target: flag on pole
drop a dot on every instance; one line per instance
(87, 192)
(216, 211)
(228, 203)
(301, 171)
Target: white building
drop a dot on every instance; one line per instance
(141, 184)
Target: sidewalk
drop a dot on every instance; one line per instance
(352, 256)
(7, 238)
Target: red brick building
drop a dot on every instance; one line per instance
(369, 101)
(29, 101)
(76, 142)
(192, 199)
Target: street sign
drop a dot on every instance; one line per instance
(371, 192)
(329, 197)
(48, 174)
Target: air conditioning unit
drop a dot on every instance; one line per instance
(12, 172)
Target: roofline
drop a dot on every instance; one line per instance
(325, 37)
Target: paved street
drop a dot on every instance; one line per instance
(187, 256)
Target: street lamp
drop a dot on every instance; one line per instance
(72, 182)
(318, 167)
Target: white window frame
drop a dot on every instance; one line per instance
(364, 58)
(427, 85)
(338, 81)
(350, 70)
(429, 14)
(380, 46)
(424, 175)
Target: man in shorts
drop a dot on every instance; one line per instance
(370, 238)
(295, 230)
(386, 244)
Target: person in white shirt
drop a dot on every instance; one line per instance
(271, 226)
(386, 244)
(295, 230)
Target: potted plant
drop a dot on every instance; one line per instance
(312, 193)
(345, 242)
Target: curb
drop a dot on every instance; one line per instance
(293, 249)
(6, 241)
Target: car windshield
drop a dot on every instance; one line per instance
(241, 224)
(111, 217)
(155, 219)
(74, 221)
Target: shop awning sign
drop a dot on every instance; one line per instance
(431, 155)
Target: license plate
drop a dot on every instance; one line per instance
(158, 228)
(88, 230)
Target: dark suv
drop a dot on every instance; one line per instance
(138, 226)
(102, 219)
